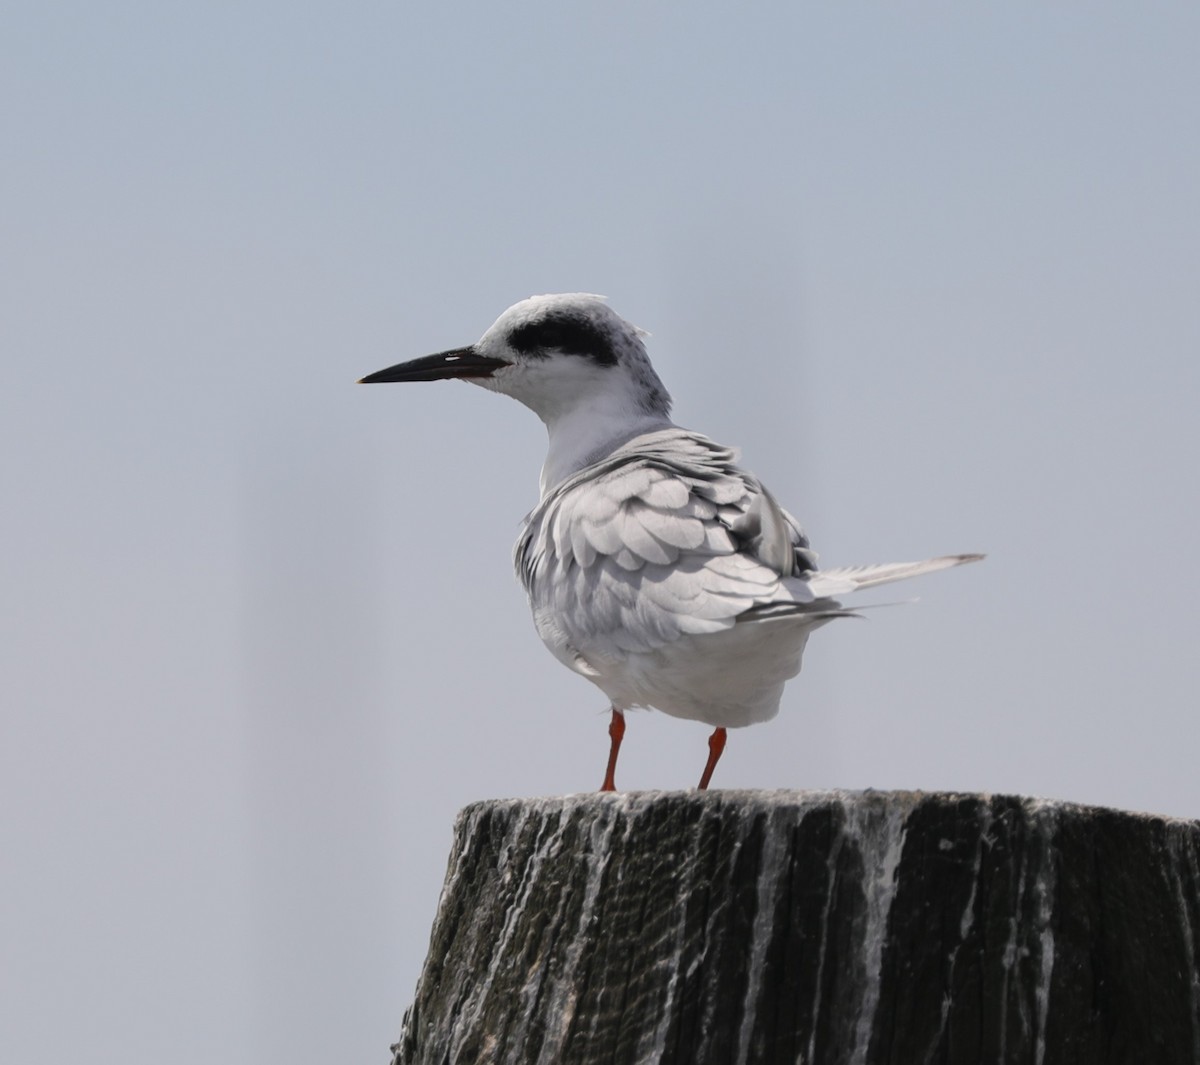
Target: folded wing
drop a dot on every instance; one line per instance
(666, 537)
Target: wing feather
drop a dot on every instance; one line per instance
(627, 560)
(855, 578)
(666, 537)
(667, 493)
(583, 550)
(602, 534)
(633, 527)
(670, 527)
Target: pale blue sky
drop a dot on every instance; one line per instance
(933, 269)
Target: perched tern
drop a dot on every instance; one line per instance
(655, 566)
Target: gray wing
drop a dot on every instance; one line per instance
(666, 537)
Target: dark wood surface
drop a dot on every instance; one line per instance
(684, 928)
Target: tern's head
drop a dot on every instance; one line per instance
(559, 355)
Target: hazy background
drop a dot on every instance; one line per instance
(934, 270)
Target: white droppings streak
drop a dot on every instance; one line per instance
(968, 917)
(471, 1008)
(721, 895)
(874, 832)
(879, 835)
(1009, 960)
(968, 914)
(772, 870)
(835, 852)
(1045, 817)
(654, 1048)
(563, 996)
(462, 836)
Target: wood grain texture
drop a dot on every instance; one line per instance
(690, 928)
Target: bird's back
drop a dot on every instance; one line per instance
(641, 567)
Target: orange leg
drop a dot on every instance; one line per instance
(716, 744)
(616, 731)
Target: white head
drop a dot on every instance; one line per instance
(571, 349)
(571, 360)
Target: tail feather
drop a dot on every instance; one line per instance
(825, 584)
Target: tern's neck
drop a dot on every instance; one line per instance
(588, 432)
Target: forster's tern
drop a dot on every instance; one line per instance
(656, 567)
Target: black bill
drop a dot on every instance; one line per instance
(461, 362)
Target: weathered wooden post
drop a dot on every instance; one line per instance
(686, 928)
